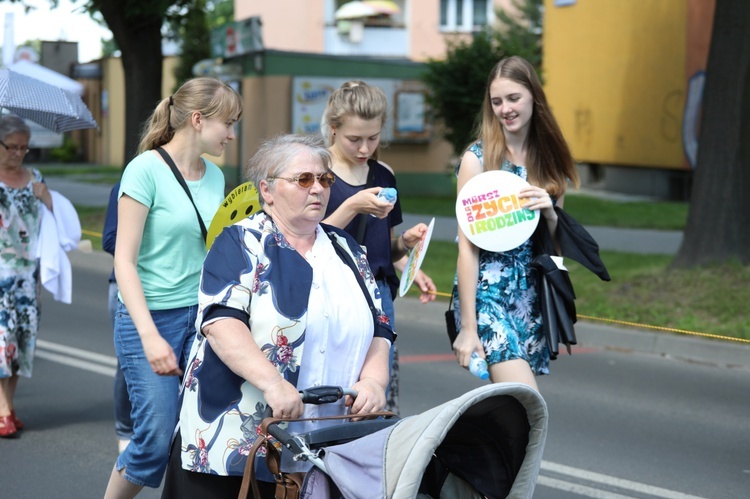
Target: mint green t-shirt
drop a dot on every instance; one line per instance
(172, 249)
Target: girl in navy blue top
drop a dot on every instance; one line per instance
(351, 126)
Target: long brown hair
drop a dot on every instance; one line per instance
(210, 96)
(549, 162)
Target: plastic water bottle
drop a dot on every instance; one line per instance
(478, 366)
(387, 194)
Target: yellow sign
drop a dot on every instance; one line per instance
(240, 203)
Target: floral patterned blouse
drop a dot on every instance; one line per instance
(20, 218)
(307, 314)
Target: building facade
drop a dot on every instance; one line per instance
(418, 30)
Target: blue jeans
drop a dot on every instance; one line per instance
(123, 423)
(154, 398)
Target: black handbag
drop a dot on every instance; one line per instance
(450, 320)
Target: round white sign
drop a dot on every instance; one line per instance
(490, 213)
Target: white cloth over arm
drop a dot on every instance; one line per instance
(60, 232)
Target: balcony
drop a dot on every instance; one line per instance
(377, 41)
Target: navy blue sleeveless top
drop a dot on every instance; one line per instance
(377, 239)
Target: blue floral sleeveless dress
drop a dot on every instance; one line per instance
(509, 318)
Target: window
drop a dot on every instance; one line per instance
(464, 15)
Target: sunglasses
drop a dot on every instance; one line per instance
(307, 179)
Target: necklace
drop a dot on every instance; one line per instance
(201, 172)
(200, 182)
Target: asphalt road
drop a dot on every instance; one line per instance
(621, 424)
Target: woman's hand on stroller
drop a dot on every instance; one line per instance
(285, 400)
(370, 397)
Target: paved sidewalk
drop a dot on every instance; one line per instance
(80, 193)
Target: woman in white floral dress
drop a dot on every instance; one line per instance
(22, 190)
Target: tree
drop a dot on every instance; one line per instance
(458, 82)
(457, 85)
(193, 27)
(716, 229)
(136, 26)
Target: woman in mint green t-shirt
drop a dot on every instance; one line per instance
(158, 257)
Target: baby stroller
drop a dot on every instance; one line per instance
(486, 443)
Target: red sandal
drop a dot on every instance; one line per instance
(9, 428)
(16, 421)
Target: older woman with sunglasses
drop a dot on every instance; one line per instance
(285, 303)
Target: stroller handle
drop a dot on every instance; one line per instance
(325, 394)
(318, 395)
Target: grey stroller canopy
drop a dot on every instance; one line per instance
(486, 443)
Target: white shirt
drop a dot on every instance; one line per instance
(335, 348)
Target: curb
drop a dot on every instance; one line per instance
(717, 352)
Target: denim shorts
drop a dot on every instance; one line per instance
(154, 398)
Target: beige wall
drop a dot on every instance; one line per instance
(292, 25)
(112, 122)
(298, 26)
(425, 37)
(267, 110)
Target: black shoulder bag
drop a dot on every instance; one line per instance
(181, 180)
(450, 320)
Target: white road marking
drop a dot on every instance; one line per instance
(621, 483)
(77, 352)
(578, 489)
(77, 363)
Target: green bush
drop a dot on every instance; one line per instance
(67, 152)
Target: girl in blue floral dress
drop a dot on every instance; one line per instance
(497, 308)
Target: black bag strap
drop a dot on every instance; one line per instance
(362, 222)
(360, 280)
(181, 180)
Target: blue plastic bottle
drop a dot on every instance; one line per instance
(387, 194)
(478, 366)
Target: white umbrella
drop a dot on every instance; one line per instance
(354, 10)
(52, 107)
(47, 75)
